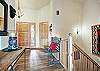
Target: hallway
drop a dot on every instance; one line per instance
(37, 60)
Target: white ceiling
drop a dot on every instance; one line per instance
(33, 4)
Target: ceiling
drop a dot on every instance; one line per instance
(32, 4)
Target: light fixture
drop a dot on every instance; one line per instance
(19, 12)
(77, 30)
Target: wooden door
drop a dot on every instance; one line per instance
(43, 34)
(23, 33)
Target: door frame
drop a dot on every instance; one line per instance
(40, 32)
(29, 32)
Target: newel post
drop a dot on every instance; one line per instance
(70, 64)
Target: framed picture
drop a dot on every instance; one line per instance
(96, 39)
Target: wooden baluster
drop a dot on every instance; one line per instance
(81, 61)
(89, 65)
(98, 69)
(73, 60)
(95, 68)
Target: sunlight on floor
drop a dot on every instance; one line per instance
(34, 58)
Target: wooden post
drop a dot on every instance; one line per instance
(70, 65)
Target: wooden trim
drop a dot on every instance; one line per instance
(43, 22)
(26, 22)
(64, 40)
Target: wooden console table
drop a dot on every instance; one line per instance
(8, 60)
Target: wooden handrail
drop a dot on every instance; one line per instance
(64, 39)
(85, 54)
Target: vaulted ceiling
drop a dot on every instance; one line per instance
(32, 4)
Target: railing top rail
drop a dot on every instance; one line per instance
(64, 39)
(85, 54)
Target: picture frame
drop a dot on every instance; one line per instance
(96, 39)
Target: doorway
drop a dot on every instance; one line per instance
(26, 34)
(33, 36)
(43, 34)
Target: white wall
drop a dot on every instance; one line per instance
(81, 14)
(70, 17)
(11, 26)
(44, 15)
(29, 15)
(91, 16)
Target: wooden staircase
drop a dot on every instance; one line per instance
(82, 61)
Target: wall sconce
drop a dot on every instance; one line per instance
(57, 12)
(77, 30)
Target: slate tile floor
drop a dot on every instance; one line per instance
(37, 60)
